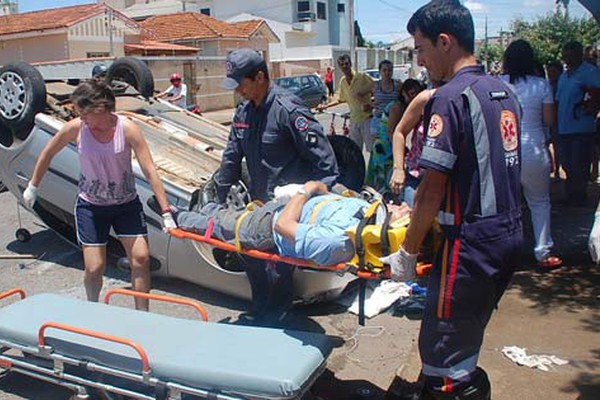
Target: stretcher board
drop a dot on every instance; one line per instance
(343, 267)
(152, 352)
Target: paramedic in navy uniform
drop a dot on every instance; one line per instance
(282, 143)
(471, 183)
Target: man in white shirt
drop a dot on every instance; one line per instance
(176, 93)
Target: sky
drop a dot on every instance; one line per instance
(385, 20)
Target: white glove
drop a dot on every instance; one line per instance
(30, 195)
(403, 265)
(286, 192)
(168, 222)
(594, 239)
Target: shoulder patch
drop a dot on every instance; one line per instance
(436, 126)
(508, 129)
(301, 123)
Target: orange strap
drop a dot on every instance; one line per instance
(181, 234)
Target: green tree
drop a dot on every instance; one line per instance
(490, 53)
(549, 33)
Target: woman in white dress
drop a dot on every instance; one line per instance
(535, 96)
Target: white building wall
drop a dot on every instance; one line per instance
(286, 12)
(278, 10)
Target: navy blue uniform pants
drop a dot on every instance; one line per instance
(470, 274)
(576, 152)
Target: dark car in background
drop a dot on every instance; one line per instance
(309, 88)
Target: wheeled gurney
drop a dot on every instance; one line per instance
(93, 346)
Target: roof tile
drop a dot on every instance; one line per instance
(48, 19)
(193, 25)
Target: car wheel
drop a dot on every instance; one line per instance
(134, 72)
(23, 235)
(351, 163)
(237, 197)
(22, 96)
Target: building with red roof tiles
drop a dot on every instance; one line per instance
(210, 36)
(83, 31)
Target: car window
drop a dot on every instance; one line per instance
(314, 81)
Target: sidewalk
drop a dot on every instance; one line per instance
(547, 312)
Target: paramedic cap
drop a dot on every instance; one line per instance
(240, 63)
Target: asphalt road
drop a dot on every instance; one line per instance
(546, 312)
(58, 268)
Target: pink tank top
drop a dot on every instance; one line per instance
(106, 175)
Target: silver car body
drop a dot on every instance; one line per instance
(186, 149)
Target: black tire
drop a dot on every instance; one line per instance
(23, 235)
(22, 96)
(134, 72)
(351, 163)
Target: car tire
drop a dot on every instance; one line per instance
(134, 72)
(22, 96)
(238, 195)
(350, 160)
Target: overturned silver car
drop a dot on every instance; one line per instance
(186, 148)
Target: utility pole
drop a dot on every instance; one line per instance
(352, 33)
(108, 15)
(487, 50)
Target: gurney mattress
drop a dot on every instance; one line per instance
(267, 363)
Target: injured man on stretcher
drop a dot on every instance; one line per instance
(312, 224)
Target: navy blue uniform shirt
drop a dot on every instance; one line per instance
(473, 135)
(282, 143)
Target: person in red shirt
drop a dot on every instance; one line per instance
(329, 81)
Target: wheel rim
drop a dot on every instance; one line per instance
(13, 95)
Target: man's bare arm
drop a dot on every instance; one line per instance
(287, 223)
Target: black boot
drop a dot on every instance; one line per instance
(479, 389)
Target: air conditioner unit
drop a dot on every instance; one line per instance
(298, 26)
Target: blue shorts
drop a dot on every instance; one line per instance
(93, 222)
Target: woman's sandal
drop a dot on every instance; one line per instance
(550, 262)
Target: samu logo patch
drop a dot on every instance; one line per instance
(509, 130)
(436, 126)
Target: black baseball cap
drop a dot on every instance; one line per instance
(240, 63)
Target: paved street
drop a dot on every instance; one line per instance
(546, 312)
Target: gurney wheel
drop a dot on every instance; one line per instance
(23, 235)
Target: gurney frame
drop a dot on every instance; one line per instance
(77, 375)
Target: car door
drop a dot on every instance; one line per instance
(59, 188)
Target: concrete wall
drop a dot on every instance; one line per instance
(35, 49)
(202, 75)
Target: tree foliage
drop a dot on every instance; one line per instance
(490, 53)
(548, 34)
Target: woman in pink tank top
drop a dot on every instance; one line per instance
(107, 196)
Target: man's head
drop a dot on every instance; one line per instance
(444, 33)
(175, 79)
(572, 54)
(99, 71)
(247, 74)
(386, 70)
(345, 64)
